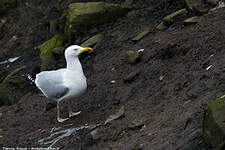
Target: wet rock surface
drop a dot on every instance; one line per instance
(181, 70)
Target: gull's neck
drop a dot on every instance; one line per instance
(73, 64)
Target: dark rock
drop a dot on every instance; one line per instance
(137, 123)
(96, 134)
(192, 20)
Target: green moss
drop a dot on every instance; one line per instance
(83, 16)
(213, 123)
(47, 50)
(7, 4)
(7, 84)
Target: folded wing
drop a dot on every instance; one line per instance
(51, 84)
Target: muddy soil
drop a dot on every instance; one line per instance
(170, 85)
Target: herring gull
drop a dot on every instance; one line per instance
(66, 83)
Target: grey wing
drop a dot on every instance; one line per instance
(51, 84)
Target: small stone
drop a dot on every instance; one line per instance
(115, 116)
(143, 128)
(113, 81)
(149, 134)
(132, 56)
(130, 77)
(192, 20)
(208, 67)
(136, 123)
(141, 35)
(161, 78)
(141, 50)
(95, 134)
(138, 147)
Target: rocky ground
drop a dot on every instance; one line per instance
(157, 95)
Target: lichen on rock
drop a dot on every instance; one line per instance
(47, 50)
(83, 16)
(213, 123)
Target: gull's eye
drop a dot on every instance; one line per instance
(75, 49)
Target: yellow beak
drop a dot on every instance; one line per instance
(86, 49)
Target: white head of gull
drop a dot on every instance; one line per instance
(66, 83)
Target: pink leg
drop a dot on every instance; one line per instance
(71, 113)
(59, 119)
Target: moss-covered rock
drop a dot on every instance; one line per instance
(7, 4)
(161, 26)
(47, 50)
(175, 16)
(8, 85)
(214, 124)
(132, 56)
(81, 17)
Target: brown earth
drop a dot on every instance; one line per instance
(167, 92)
